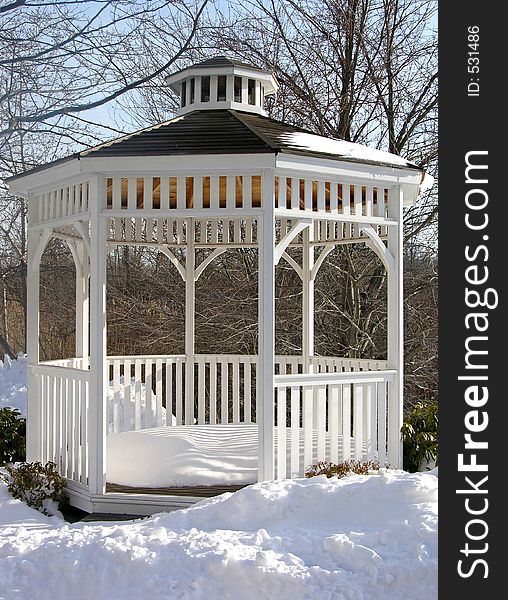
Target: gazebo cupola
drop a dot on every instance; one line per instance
(222, 83)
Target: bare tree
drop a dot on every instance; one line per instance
(364, 71)
(62, 58)
(59, 59)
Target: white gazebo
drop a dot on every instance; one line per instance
(219, 175)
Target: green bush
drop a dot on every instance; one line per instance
(420, 436)
(341, 469)
(12, 436)
(36, 484)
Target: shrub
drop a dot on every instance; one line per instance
(341, 469)
(420, 436)
(36, 484)
(12, 436)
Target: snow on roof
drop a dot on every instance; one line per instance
(316, 143)
(426, 183)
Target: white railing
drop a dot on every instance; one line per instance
(62, 397)
(224, 390)
(339, 411)
(149, 391)
(145, 391)
(69, 363)
(329, 417)
(328, 364)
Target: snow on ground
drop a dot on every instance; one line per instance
(13, 383)
(357, 538)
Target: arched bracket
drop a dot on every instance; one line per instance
(41, 246)
(179, 267)
(212, 256)
(83, 232)
(294, 264)
(79, 256)
(289, 237)
(317, 265)
(376, 244)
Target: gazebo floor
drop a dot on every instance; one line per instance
(204, 491)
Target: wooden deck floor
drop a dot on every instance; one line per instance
(207, 491)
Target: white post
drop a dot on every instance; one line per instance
(395, 330)
(82, 302)
(34, 416)
(190, 306)
(98, 373)
(307, 299)
(266, 330)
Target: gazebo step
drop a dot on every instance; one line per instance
(92, 517)
(204, 491)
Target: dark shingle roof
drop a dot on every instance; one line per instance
(197, 132)
(224, 132)
(219, 61)
(233, 132)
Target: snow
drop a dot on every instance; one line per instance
(13, 383)
(357, 538)
(184, 455)
(427, 183)
(349, 150)
(132, 413)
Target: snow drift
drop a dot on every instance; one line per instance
(357, 538)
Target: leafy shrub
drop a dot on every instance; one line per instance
(420, 436)
(12, 436)
(36, 484)
(341, 469)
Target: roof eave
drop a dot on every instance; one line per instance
(270, 81)
(64, 168)
(408, 177)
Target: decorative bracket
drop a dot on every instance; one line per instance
(83, 232)
(294, 264)
(79, 256)
(213, 255)
(43, 242)
(289, 237)
(376, 244)
(317, 265)
(180, 268)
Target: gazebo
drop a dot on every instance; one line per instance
(219, 175)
